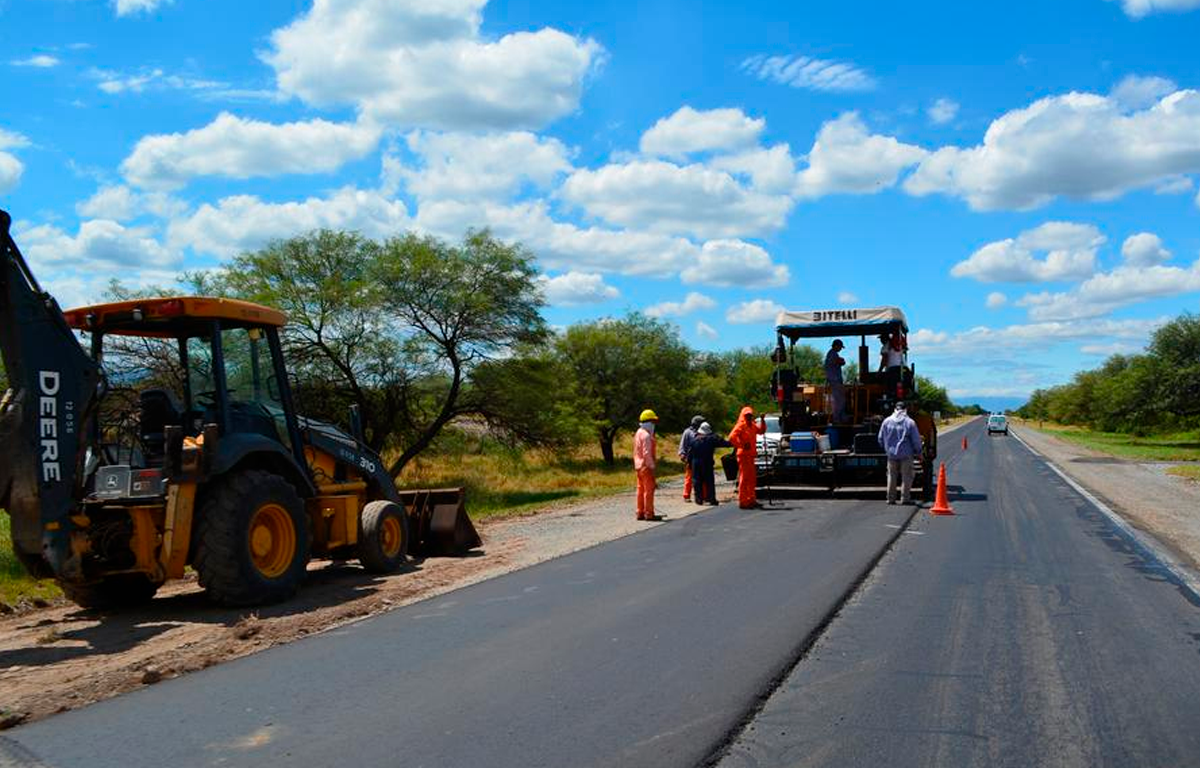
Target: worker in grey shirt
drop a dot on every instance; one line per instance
(833, 377)
(902, 442)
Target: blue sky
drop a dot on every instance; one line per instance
(1020, 177)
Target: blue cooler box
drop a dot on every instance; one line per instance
(803, 442)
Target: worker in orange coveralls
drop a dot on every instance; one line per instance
(644, 462)
(744, 437)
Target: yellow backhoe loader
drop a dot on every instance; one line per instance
(115, 482)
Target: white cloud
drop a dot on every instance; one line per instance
(813, 74)
(984, 342)
(562, 245)
(751, 312)
(127, 7)
(1113, 348)
(10, 172)
(1175, 185)
(40, 61)
(114, 83)
(996, 300)
(771, 171)
(1070, 253)
(464, 166)
(244, 222)
(664, 197)
(577, 288)
(942, 111)
(239, 148)
(100, 244)
(425, 64)
(735, 264)
(847, 158)
(1139, 8)
(846, 297)
(1107, 291)
(689, 130)
(1138, 92)
(118, 203)
(694, 302)
(1049, 149)
(706, 331)
(1144, 249)
(10, 167)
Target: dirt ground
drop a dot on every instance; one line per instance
(62, 657)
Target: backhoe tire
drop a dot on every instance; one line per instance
(122, 590)
(252, 539)
(382, 537)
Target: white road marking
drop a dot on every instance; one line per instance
(1181, 572)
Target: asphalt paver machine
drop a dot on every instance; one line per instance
(820, 448)
(172, 440)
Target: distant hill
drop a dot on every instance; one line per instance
(991, 403)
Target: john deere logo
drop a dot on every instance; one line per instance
(112, 481)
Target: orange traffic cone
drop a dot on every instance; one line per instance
(964, 442)
(940, 505)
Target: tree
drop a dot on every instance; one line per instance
(396, 328)
(1176, 347)
(623, 366)
(340, 345)
(460, 306)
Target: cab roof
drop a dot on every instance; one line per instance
(816, 323)
(174, 316)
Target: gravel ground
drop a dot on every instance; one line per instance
(1162, 505)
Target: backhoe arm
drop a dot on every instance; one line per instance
(52, 387)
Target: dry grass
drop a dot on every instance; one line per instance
(1186, 471)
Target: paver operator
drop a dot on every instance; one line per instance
(644, 462)
(685, 445)
(833, 377)
(744, 438)
(901, 440)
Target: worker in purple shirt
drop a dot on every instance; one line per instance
(901, 441)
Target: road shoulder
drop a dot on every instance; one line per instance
(1164, 506)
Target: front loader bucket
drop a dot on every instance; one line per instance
(52, 388)
(438, 522)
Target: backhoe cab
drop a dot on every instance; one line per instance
(174, 441)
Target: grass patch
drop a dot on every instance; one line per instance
(16, 585)
(501, 481)
(1176, 446)
(1186, 471)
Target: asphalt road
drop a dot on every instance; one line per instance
(1025, 631)
(647, 651)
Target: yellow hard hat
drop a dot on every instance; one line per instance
(648, 415)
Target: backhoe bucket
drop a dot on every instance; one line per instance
(52, 389)
(438, 522)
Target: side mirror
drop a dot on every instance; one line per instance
(273, 389)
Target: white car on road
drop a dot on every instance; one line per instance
(997, 422)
